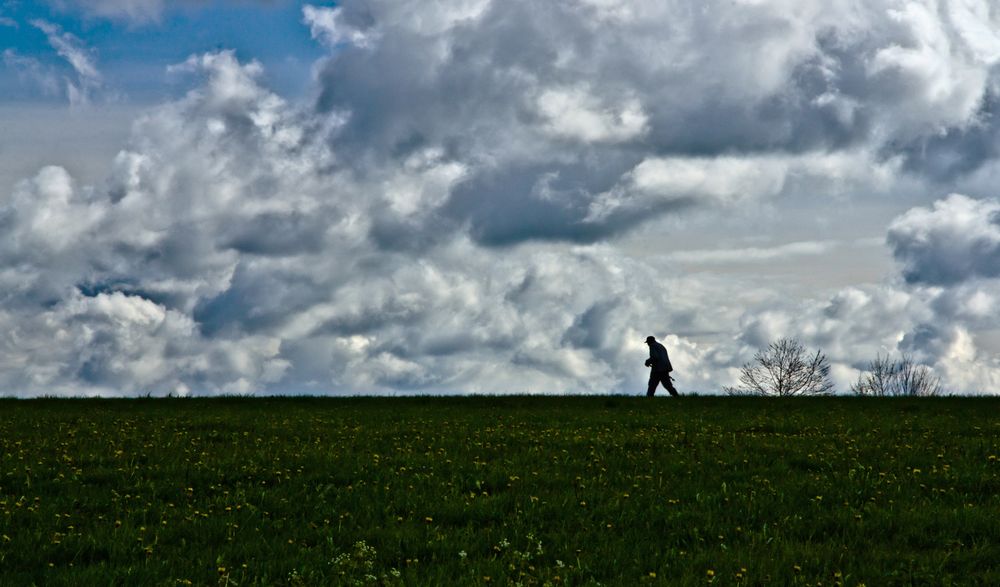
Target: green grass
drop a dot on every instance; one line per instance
(446, 491)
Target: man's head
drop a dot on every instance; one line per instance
(650, 339)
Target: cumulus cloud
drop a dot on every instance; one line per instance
(228, 251)
(443, 217)
(113, 343)
(811, 74)
(45, 219)
(115, 271)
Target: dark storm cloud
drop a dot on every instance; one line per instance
(957, 152)
(956, 240)
(572, 96)
(544, 202)
(589, 329)
(255, 300)
(279, 234)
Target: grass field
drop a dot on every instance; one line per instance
(454, 491)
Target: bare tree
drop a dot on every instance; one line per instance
(784, 368)
(901, 377)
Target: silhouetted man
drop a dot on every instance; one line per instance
(661, 368)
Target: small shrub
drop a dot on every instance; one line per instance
(901, 377)
(784, 369)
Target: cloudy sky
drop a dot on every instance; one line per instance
(484, 196)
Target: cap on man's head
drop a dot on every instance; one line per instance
(650, 339)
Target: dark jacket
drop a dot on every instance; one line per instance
(659, 358)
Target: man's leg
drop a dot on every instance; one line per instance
(667, 383)
(653, 382)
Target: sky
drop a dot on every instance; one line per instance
(473, 196)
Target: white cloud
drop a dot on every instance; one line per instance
(326, 26)
(135, 12)
(753, 254)
(722, 178)
(938, 85)
(574, 113)
(32, 70)
(976, 23)
(80, 58)
(965, 367)
(71, 49)
(734, 179)
(49, 215)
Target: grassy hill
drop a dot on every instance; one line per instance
(500, 490)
